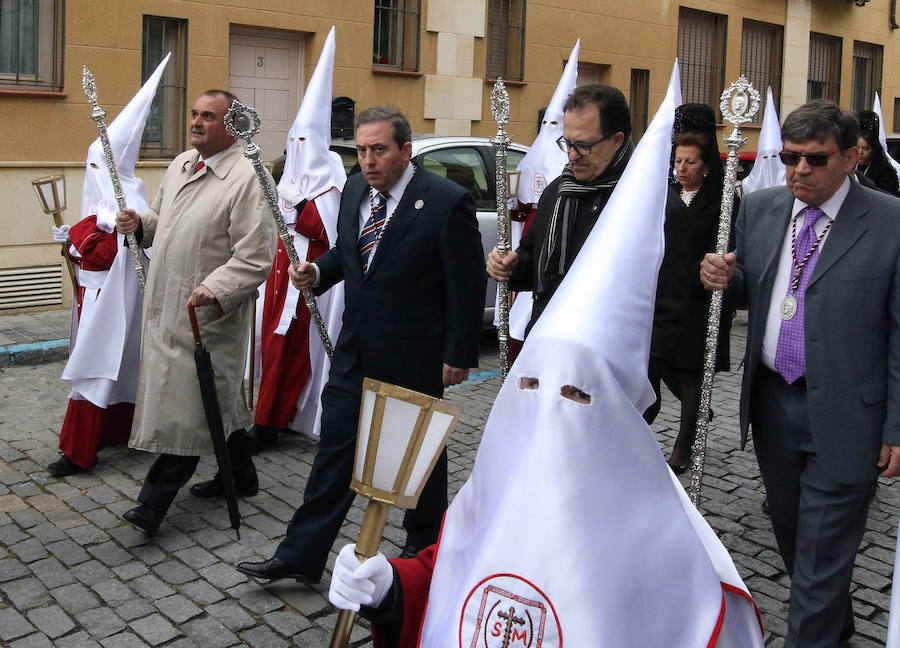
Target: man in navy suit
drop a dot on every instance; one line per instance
(818, 264)
(410, 255)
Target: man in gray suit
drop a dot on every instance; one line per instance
(818, 263)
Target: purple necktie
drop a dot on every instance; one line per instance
(790, 354)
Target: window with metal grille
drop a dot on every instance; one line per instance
(640, 99)
(701, 55)
(167, 121)
(824, 74)
(867, 59)
(506, 39)
(761, 51)
(31, 44)
(396, 42)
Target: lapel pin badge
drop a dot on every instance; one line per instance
(420, 203)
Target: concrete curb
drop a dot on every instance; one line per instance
(34, 353)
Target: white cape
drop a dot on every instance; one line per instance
(105, 357)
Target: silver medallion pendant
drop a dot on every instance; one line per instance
(788, 308)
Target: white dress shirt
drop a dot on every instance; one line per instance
(784, 274)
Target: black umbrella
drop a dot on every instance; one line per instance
(214, 420)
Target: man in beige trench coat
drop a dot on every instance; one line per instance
(213, 243)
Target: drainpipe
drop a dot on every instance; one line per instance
(894, 24)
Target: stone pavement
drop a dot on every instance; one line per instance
(72, 573)
(34, 338)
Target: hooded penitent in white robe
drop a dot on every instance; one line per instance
(294, 363)
(882, 137)
(105, 355)
(768, 170)
(571, 530)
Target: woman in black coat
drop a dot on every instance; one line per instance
(873, 164)
(699, 171)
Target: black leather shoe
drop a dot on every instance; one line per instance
(213, 488)
(410, 551)
(64, 467)
(144, 518)
(262, 437)
(274, 569)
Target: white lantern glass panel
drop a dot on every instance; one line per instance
(47, 201)
(60, 183)
(431, 445)
(396, 432)
(365, 427)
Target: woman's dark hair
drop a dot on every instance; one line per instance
(709, 157)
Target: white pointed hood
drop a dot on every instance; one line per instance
(545, 160)
(571, 516)
(309, 167)
(882, 137)
(768, 170)
(675, 84)
(125, 132)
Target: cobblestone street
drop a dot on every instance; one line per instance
(73, 573)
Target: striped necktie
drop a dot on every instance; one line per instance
(372, 229)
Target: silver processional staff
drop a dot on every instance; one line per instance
(500, 111)
(739, 103)
(99, 116)
(243, 122)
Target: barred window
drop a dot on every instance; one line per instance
(867, 59)
(506, 39)
(31, 44)
(396, 43)
(824, 74)
(701, 55)
(640, 100)
(167, 121)
(761, 52)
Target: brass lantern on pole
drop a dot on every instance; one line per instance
(51, 194)
(401, 434)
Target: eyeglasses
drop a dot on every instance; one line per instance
(582, 148)
(812, 159)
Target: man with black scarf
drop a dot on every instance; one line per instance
(596, 137)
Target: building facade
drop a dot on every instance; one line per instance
(435, 59)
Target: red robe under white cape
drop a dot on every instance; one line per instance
(288, 398)
(87, 428)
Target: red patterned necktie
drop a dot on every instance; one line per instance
(200, 166)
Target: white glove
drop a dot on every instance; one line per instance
(354, 583)
(61, 233)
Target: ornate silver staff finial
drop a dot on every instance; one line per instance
(99, 116)
(500, 103)
(500, 111)
(243, 122)
(739, 103)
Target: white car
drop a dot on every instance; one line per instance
(471, 163)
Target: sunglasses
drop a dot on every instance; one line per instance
(812, 159)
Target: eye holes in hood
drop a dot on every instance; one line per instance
(570, 392)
